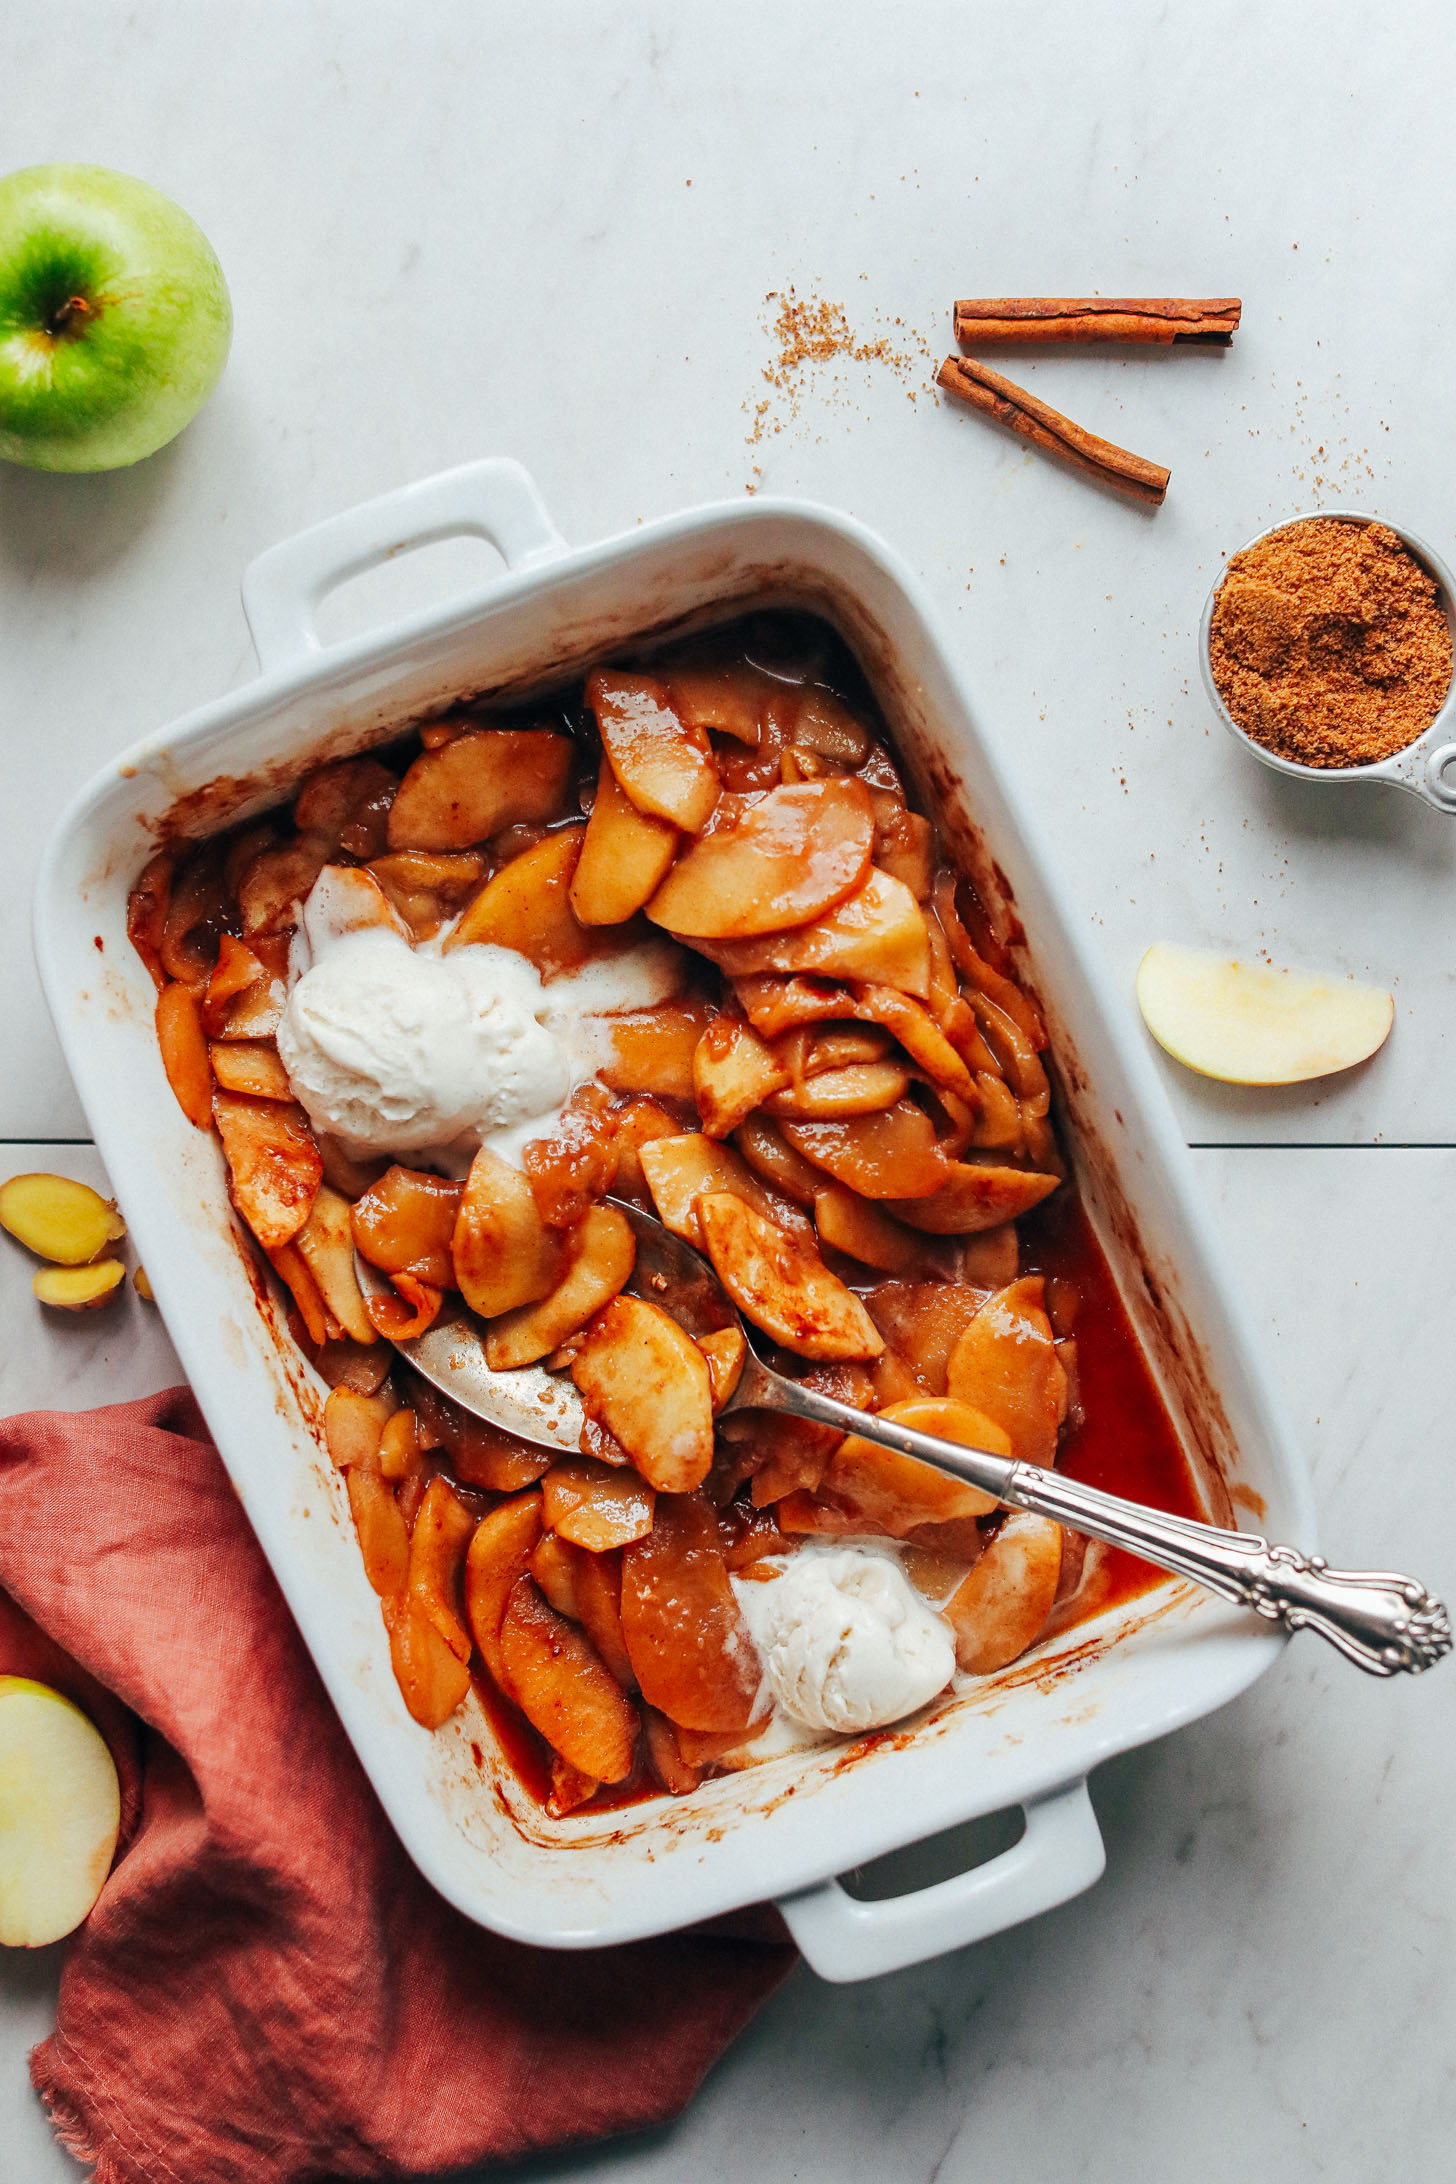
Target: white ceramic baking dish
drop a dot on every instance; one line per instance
(783, 1830)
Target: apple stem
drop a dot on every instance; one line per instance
(67, 319)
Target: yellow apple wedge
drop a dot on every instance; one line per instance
(1248, 1023)
(60, 1807)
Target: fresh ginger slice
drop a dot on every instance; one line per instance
(184, 1054)
(60, 1809)
(58, 1218)
(79, 1288)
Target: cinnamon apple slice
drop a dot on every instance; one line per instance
(645, 1379)
(594, 1505)
(734, 1071)
(432, 1678)
(1007, 1366)
(877, 934)
(970, 1198)
(625, 856)
(689, 1646)
(603, 1252)
(498, 1556)
(565, 1690)
(787, 859)
(999, 1609)
(664, 767)
(274, 1167)
(782, 1285)
(1250, 1023)
(503, 1253)
(893, 1154)
(405, 1222)
(477, 785)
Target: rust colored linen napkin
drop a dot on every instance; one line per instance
(267, 1991)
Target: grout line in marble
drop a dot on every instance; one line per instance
(1321, 1145)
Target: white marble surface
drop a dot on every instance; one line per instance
(464, 228)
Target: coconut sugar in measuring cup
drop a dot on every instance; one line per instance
(1426, 763)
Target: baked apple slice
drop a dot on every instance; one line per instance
(863, 1230)
(379, 1522)
(245, 1065)
(184, 1054)
(502, 1252)
(1001, 1607)
(786, 860)
(432, 1679)
(689, 1646)
(876, 935)
(347, 797)
(970, 1197)
(274, 1168)
(890, 1155)
(443, 1531)
(725, 1350)
(833, 1095)
(595, 1506)
(782, 1285)
(479, 784)
(664, 768)
(734, 1071)
(497, 1558)
(326, 1244)
(889, 1492)
(624, 857)
(527, 906)
(562, 1686)
(480, 1454)
(598, 1581)
(653, 1049)
(1006, 1364)
(681, 1170)
(644, 1378)
(404, 1224)
(603, 1252)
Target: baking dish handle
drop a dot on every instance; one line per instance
(495, 500)
(1060, 1854)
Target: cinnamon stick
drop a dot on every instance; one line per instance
(1046, 428)
(982, 319)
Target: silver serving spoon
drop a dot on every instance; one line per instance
(1381, 1621)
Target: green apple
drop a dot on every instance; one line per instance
(60, 1807)
(114, 318)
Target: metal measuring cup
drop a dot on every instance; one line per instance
(1427, 767)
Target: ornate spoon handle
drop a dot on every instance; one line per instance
(1381, 1621)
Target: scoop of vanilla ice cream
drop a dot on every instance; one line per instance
(395, 1050)
(846, 1642)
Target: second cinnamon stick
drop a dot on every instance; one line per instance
(1047, 428)
(1155, 319)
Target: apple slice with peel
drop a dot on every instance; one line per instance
(60, 1808)
(1248, 1023)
